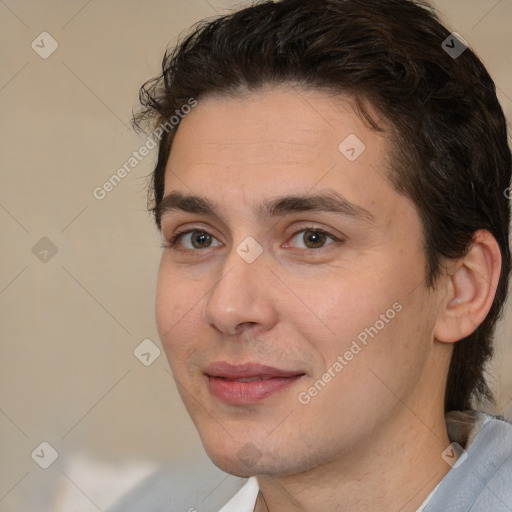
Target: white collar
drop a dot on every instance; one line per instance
(245, 499)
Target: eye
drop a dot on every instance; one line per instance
(200, 239)
(313, 238)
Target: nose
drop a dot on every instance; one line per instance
(242, 296)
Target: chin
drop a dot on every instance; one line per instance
(248, 461)
(233, 465)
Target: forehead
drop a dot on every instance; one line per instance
(286, 125)
(239, 150)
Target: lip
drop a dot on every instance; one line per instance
(224, 381)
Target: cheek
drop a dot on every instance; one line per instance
(342, 307)
(165, 306)
(176, 310)
(371, 321)
(175, 295)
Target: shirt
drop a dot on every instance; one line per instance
(245, 499)
(480, 480)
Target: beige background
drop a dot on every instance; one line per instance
(69, 325)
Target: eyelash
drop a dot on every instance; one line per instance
(174, 240)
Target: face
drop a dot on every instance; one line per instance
(296, 331)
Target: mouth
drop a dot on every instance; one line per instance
(248, 383)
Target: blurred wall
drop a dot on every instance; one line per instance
(77, 279)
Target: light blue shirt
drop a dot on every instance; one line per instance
(483, 481)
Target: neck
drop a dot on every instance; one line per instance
(396, 471)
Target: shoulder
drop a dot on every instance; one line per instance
(482, 480)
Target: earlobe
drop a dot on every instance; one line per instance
(471, 290)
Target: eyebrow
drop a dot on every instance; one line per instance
(328, 201)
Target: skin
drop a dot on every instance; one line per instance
(372, 438)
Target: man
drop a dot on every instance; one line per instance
(330, 188)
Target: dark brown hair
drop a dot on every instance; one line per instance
(451, 155)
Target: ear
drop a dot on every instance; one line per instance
(470, 290)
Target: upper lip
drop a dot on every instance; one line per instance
(247, 370)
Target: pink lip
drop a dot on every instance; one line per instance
(224, 381)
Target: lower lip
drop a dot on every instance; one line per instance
(240, 393)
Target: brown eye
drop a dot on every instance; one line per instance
(200, 239)
(313, 238)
